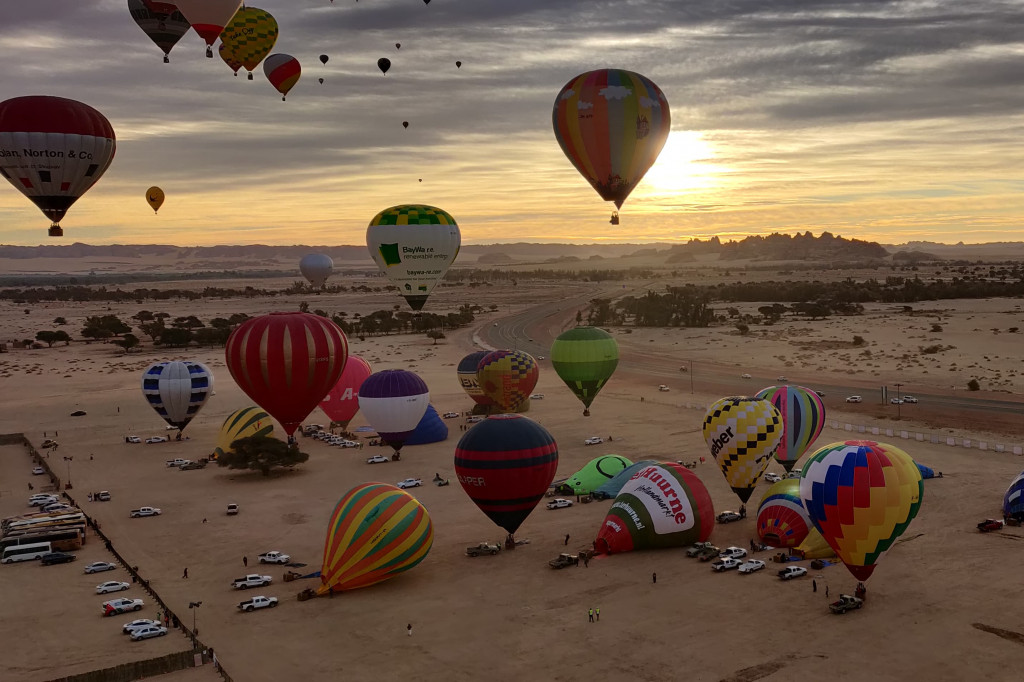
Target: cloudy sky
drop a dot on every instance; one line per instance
(883, 120)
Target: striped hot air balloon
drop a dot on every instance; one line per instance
(803, 418)
(1013, 498)
(505, 464)
(283, 71)
(508, 377)
(208, 17)
(742, 434)
(394, 401)
(287, 362)
(467, 378)
(782, 520)
(243, 423)
(376, 532)
(161, 22)
(177, 390)
(585, 358)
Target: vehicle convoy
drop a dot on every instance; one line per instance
(260, 602)
(251, 580)
(847, 602)
(274, 558)
(483, 548)
(143, 511)
(564, 561)
(791, 572)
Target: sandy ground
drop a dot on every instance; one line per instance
(507, 617)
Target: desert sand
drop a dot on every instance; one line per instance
(510, 617)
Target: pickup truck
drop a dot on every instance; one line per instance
(483, 548)
(792, 572)
(273, 558)
(251, 580)
(257, 603)
(116, 606)
(143, 511)
(176, 462)
(564, 561)
(189, 466)
(847, 602)
(697, 548)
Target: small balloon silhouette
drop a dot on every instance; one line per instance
(421, 179)
(324, 58)
(321, 81)
(405, 124)
(398, 46)
(384, 64)
(458, 65)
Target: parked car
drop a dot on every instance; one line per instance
(103, 496)
(791, 572)
(38, 471)
(896, 401)
(728, 517)
(725, 564)
(854, 399)
(781, 378)
(112, 586)
(57, 507)
(847, 602)
(139, 623)
(541, 357)
(261, 602)
(751, 565)
(116, 606)
(348, 444)
(733, 553)
(907, 399)
(409, 483)
(48, 443)
(474, 419)
(772, 477)
(564, 561)
(251, 580)
(698, 547)
(232, 509)
(990, 525)
(450, 415)
(146, 632)
(559, 503)
(157, 439)
(663, 388)
(274, 558)
(744, 376)
(40, 500)
(52, 558)
(188, 466)
(536, 396)
(132, 439)
(144, 511)
(99, 567)
(593, 440)
(377, 459)
(483, 548)
(820, 394)
(176, 462)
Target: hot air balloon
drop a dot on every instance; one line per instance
(324, 58)
(508, 377)
(431, 429)
(384, 64)
(612, 125)
(398, 46)
(394, 401)
(413, 245)
(155, 198)
(208, 17)
(177, 390)
(782, 520)
(243, 423)
(316, 267)
(742, 434)
(814, 546)
(405, 124)
(861, 496)
(321, 80)
(53, 150)
(505, 464)
(376, 532)
(458, 65)
(466, 372)
(287, 362)
(585, 358)
(1013, 499)
(611, 488)
(803, 418)
(161, 21)
(250, 36)
(342, 402)
(228, 57)
(283, 72)
(596, 473)
(663, 505)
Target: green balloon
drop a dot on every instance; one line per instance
(585, 358)
(596, 473)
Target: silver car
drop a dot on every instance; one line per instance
(147, 632)
(99, 567)
(111, 586)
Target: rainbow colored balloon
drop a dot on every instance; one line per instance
(508, 377)
(782, 520)
(742, 434)
(861, 496)
(376, 532)
(803, 418)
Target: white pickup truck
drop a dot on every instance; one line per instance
(251, 580)
(176, 462)
(257, 603)
(274, 558)
(144, 511)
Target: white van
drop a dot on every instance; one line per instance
(25, 552)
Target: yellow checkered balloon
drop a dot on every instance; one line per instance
(742, 435)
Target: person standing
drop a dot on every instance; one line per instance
(590, 613)
(597, 614)
(408, 629)
(566, 539)
(245, 561)
(185, 574)
(814, 586)
(654, 578)
(826, 591)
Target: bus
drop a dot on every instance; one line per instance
(25, 552)
(61, 539)
(41, 521)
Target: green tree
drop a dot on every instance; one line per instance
(743, 329)
(96, 325)
(973, 385)
(212, 336)
(153, 329)
(858, 340)
(260, 453)
(128, 342)
(175, 337)
(52, 337)
(143, 316)
(434, 334)
(189, 322)
(59, 320)
(303, 307)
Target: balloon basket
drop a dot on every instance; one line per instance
(250, 75)
(615, 218)
(167, 60)
(56, 230)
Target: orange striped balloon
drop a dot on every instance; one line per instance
(376, 532)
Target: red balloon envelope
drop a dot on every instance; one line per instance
(342, 401)
(287, 362)
(505, 464)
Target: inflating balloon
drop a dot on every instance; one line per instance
(431, 429)
(1013, 499)
(585, 358)
(244, 423)
(508, 377)
(342, 402)
(287, 362)
(384, 64)
(155, 198)
(376, 532)
(612, 124)
(742, 434)
(782, 520)
(63, 132)
(861, 496)
(505, 464)
(803, 418)
(161, 22)
(394, 401)
(466, 372)
(814, 546)
(250, 36)
(177, 390)
(316, 267)
(596, 473)
(662, 506)
(413, 245)
(208, 17)
(283, 72)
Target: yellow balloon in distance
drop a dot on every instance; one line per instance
(155, 198)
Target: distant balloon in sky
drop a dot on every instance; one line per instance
(161, 21)
(458, 65)
(76, 141)
(398, 46)
(208, 17)
(177, 390)
(803, 418)
(384, 64)
(283, 72)
(321, 80)
(250, 36)
(155, 198)
(413, 245)
(405, 124)
(316, 267)
(324, 58)
(612, 124)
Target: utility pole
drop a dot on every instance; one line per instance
(691, 376)
(899, 401)
(194, 606)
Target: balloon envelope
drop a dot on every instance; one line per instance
(394, 401)
(324, 58)
(413, 245)
(243, 423)
(155, 198)
(208, 17)
(250, 36)
(283, 72)
(229, 58)
(384, 64)
(596, 473)
(861, 496)
(161, 22)
(316, 267)
(177, 390)
(466, 372)
(505, 464)
(803, 418)
(76, 142)
(585, 358)
(814, 546)
(342, 402)
(431, 429)
(508, 377)
(662, 505)
(782, 520)
(1013, 499)
(742, 434)
(376, 532)
(612, 124)
(287, 362)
